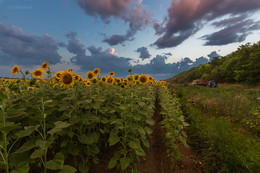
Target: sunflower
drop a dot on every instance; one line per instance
(151, 78)
(117, 80)
(136, 77)
(143, 79)
(45, 65)
(110, 80)
(15, 70)
(38, 73)
(30, 88)
(111, 73)
(130, 78)
(94, 80)
(58, 74)
(96, 71)
(90, 75)
(123, 86)
(67, 78)
(87, 83)
(103, 79)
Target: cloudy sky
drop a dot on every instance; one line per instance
(156, 37)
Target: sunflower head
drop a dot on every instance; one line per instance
(45, 65)
(87, 83)
(103, 79)
(123, 86)
(90, 75)
(67, 79)
(38, 73)
(143, 79)
(117, 80)
(110, 80)
(30, 88)
(151, 78)
(58, 74)
(15, 70)
(96, 71)
(94, 80)
(130, 78)
(111, 73)
(136, 77)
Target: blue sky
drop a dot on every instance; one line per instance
(161, 38)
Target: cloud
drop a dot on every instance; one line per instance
(105, 8)
(131, 11)
(186, 17)
(144, 53)
(108, 60)
(233, 32)
(18, 47)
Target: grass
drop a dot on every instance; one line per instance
(219, 126)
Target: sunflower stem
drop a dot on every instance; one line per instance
(5, 139)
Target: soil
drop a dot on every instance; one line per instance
(156, 158)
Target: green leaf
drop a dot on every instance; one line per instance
(140, 152)
(9, 128)
(59, 125)
(112, 163)
(56, 163)
(2, 96)
(134, 144)
(84, 167)
(113, 137)
(68, 169)
(124, 162)
(27, 131)
(141, 131)
(44, 145)
(84, 139)
(37, 153)
(26, 146)
(22, 167)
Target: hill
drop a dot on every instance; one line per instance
(241, 66)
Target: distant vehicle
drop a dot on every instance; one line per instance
(200, 82)
(212, 83)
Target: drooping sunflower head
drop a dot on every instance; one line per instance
(67, 79)
(15, 70)
(58, 74)
(96, 71)
(94, 80)
(110, 80)
(143, 79)
(111, 73)
(45, 65)
(90, 75)
(38, 73)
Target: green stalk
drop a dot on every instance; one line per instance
(44, 134)
(5, 140)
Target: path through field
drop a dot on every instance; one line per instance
(156, 159)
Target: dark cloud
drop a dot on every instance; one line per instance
(186, 17)
(71, 35)
(18, 47)
(94, 51)
(231, 33)
(167, 54)
(130, 11)
(144, 53)
(105, 8)
(138, 19)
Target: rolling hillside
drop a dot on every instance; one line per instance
(241, 66)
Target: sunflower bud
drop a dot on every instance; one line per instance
(129, 70)
(27, 72)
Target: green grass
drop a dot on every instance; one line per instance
(216, 119)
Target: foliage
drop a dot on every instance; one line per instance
(241, 66)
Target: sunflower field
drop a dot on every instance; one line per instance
(63, 123)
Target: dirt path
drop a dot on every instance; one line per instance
(156, 159)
